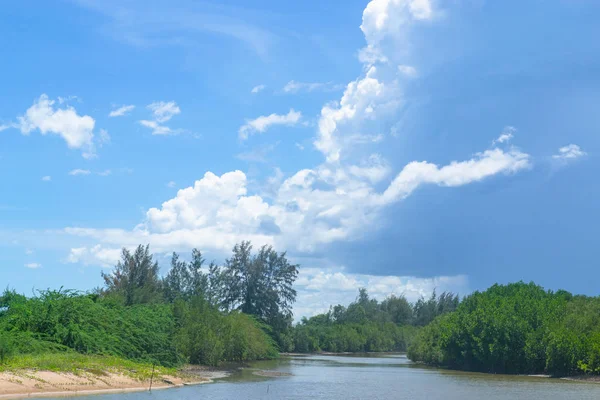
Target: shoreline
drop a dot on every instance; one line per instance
(345, 353)
(582, 378)
(88, 392)
(20, 384)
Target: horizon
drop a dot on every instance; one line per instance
(402, 146)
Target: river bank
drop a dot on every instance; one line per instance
(32, 383)
(58, 375)
(583, 378)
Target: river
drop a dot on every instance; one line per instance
(368, 377)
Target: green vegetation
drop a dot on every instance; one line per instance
(239, 312)
(77, 363)
(243, 311)
(370, 326)
(519, 329)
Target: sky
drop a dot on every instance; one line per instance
(398, 145)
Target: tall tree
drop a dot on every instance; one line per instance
(178, 279)
(260, 285)
(398, 309)
(135, 277)
(185, 280)
(198, 285)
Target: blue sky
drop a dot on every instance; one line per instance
(400, 145)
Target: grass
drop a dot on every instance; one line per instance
(79, 363)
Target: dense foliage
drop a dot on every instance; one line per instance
(367, 325)
(242, 311)
(518, 328)
(260, 285)
(234, 313)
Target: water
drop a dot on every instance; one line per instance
(369, 377)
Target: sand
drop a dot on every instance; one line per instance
(270, 374)
(30, 383)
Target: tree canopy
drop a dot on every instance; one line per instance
(195, 313)
(517, 328)
(257, 284)
(367, 325)
(135, 277)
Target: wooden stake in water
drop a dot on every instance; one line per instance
(151, 378)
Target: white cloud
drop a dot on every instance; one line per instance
(76, 130)
(258, 88)
(96, 255)
(374, 169)
(77, 172)
(76, 254)
(295, 87)
(390, 18)
(63, 100)
(483, 165)
(46, 178)
(407, 70)
(4, 127)
(364, 139)
(121, 111)
(506, 135)
(299, 146)
(28, 252)
(106, 172)
(164, 111)
(569, 152)
(378, 93)
(262, 123)
(171, 184)
(33, 265)
(366, 99)
(308, 210)
(156, 128)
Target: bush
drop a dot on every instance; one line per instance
(186, 331)
(517, 328)
(7, 348)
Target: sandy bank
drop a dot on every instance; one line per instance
(30, 383)
(583, 378)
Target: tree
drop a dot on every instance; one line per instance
(365, 325)
(259, 285)
(425, 311)
(518, 328)
(198, 284)
(398, 308)
(135, 277)
(338, 314)
(176, 282)
(185, 280)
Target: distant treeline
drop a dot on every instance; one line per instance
(367, 325)
(240, 311)
(518, 329)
